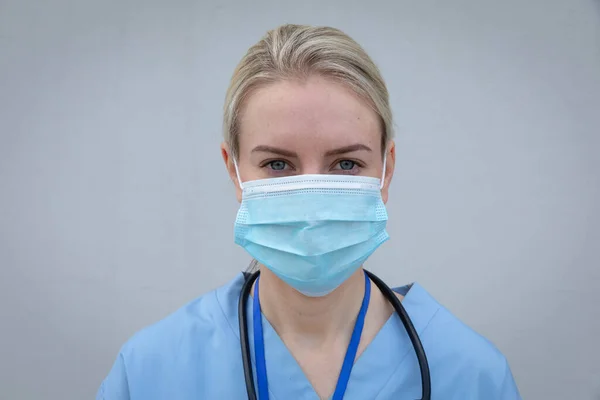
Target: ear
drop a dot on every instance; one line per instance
(228, 159)
(390, 164)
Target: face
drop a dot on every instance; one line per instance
(311, 127)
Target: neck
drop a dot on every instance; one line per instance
(315, 321)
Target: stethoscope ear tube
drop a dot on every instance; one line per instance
(387, 292)
(412, 333)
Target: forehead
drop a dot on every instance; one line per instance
(316, 114)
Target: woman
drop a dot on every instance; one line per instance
(308, 146)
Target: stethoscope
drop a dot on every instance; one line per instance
(389, 295)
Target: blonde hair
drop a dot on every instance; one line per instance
(296, 52)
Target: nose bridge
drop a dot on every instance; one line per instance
(311, 162)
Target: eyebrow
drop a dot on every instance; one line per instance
(348, 149)
(274, 150)
(287, 153)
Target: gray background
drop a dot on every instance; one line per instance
(115, 208)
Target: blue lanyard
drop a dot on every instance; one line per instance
(259, 346)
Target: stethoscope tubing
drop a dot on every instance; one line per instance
(410, 330)
(387, 292)
(244, 340)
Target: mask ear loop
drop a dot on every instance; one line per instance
(383, 173)
(237, 173)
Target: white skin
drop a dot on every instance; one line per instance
(314, 126)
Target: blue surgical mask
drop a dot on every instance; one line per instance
(312, 231)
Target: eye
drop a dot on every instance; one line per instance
(277, 165)
(347, 165)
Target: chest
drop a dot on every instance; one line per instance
(212, 369)
(322, 365)
(321, 368)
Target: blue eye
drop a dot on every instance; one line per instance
(277, 165)
(347, 165)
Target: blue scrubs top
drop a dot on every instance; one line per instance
(195, 354)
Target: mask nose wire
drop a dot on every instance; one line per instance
(237, 173)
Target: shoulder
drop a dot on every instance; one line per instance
(207, 315)
(459, 357)
(164, 353)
